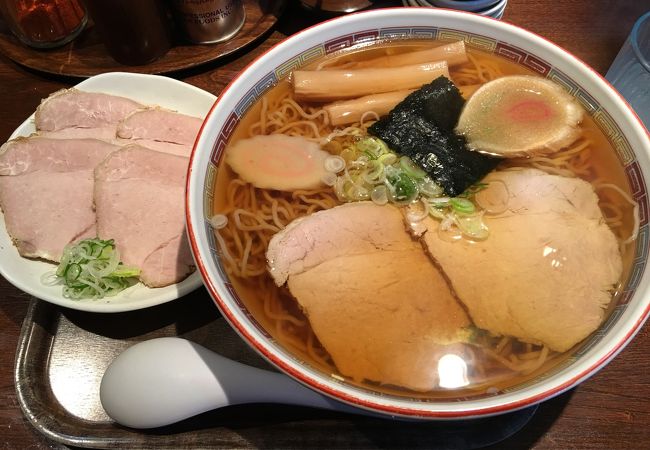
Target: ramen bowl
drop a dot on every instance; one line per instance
(604, 107)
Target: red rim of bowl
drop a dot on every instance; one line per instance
(377, 406)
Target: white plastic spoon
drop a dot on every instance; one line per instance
(165, 380)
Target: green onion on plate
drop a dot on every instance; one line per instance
(92, 269)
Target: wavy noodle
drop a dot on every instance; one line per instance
(284, 115)
(255, 215)
(570, 162)
(478, 70)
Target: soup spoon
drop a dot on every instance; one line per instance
(165, 380)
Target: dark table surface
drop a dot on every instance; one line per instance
(610, 410)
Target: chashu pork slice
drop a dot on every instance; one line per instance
(69, 108)
(46, 192)
(161, 129)
(546, 271)
(351, 229)
(106, 133)
(160, 124)
(373, 298)
(164, 147)
(139, 201)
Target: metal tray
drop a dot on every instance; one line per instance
(62, 355)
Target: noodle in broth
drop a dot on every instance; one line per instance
(255, 215)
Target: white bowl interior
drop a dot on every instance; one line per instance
(609, 111)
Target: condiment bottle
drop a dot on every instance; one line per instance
(44, 23)
(209, 21)
(134, 32)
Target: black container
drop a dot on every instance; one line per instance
(134, 32)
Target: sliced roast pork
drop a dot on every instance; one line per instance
(163, 147)
(161, 129)
(373, 297)
(106, 133)
(139, 201)
(308, 241)
(546, 271)
(46, 192)
(70, 108)
(160, 125)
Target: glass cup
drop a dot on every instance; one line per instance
(630, 72)
(44, 23)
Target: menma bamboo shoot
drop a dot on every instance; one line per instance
(351, 111)
(329, 85)
(453, 54)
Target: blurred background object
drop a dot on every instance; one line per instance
(208, 21)
(337, 6)
(134, 32)
(630, 71)
(44, 23)
(490, 8)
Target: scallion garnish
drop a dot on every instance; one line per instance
(92, 269)
(374, 172)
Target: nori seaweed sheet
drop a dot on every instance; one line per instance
(422, 127)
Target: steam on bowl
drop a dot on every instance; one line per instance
(405, 287)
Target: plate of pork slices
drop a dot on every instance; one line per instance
(104, 160)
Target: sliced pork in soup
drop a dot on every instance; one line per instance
(71, 108)
(373, 297)
(546, 272)
(148, 228)
(352, 228)
(46, 192)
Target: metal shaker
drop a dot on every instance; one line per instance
(209, 21)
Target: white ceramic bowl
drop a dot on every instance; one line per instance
(599, 99)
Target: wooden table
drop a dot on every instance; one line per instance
(611, 410)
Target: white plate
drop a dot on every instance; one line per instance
(26, 274)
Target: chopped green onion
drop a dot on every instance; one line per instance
(439, 202)
(462, 205)
(436, 212)
(429, 188)
(373, 172)
(387, 159)
(473, 226)
(369, 154)
(125, 272)
(403, 188)
(72, 273)
(92, 269)
(372, 147)
(379, 195)
(411, 169)
(334, 164)
(473, 189)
